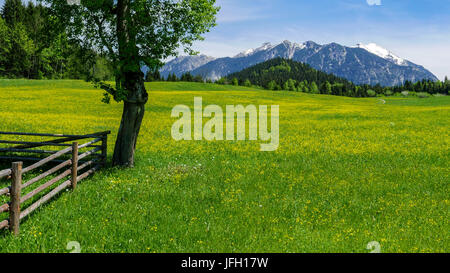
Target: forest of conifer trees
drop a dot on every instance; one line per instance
(282, 74)
(34, 45)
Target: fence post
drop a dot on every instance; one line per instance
(104, 149)
(74, 165)
(16, 187)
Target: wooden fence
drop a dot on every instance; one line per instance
(78, 166)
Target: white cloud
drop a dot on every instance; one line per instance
(374, 2)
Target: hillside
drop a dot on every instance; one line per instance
(361, 64)
(281, 71)
(286, 74)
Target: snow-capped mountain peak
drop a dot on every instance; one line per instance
(265, 46)
(383, 53)
(268, 46)
(294, 46)
(361, 64)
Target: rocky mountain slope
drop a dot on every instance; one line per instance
(362, 64)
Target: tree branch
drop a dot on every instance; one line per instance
(102, 37)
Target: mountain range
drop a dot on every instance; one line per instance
(361, 64)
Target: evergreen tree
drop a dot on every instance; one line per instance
(198, 78)
(446, 86)
(157, 75)
(13, 12)
(5, 45)
(172, 77)
(408, 86)
(149, 77)
(358, 91)
(34, 44)
(186, 77)
(18, 62)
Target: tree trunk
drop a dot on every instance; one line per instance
(131, 79)
(133, 113)
(132, 116)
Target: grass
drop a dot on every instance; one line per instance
(348, 171)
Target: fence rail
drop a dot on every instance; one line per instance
(16, 191)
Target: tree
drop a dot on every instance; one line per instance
(157, 75)
(371, 93)
(13, 12)
(153, 76)
(5, 45)
(38, 31)
(272, 85)
(305, 86)
(301, 87)
(235, 82)
(328, 88)
(187, 77)
(135, 33)
(358, 91)
(291, 85)
(34, 45)
(248, 83)
(172, 77)
(408, 85)
(446, 86)
(18, 60)
(221, 81)
(198, 78)
(313, 88)
(102, 69)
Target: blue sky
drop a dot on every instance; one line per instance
(417, 30)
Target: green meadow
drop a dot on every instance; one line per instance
(348, 171)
